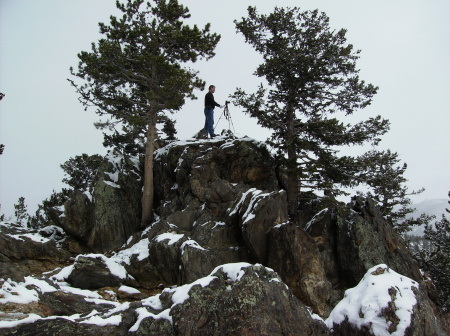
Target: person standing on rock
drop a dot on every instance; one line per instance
(210, 104)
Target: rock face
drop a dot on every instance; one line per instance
(220, 258)
(107, 218)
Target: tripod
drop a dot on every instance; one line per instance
(226, 114)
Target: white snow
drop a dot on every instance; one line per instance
(43, 286)
(153, 301)
(11, 324)
(112, 184)
(129, 290)
(144, 313)
(114, 267)
(180, 294)
(12, 291)
(256, 197)
(191, 243)
(112, 320)
(33, 236)
(363, 304)
(172, 237)
(312, 221)
(64, 273)
(243, 197)
(234, 270)
(140, 248)
(83, 292)
(280, 225)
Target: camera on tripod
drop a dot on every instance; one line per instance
(226, 114)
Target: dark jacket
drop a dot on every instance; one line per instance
(209, 101)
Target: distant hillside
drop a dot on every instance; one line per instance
(434, 207)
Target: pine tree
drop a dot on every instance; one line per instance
(21, 211)
(436, 260)
(312, 74)
(169, 129)
(50, 208)
(80, 171)
(380, 170)
(135, 74)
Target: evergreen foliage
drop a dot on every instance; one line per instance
(436, 260)
(50, 209)
(381, 171)
(20, 211)
(169, 129)
(135, 74)
(311, 72)
(80, 171)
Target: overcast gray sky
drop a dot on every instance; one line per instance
(405, 51)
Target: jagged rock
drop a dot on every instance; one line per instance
(116, 212)
(106, 221)
(216, 202)
(210, 172)
(18, 242)
(257, 212)
(244, 307)
(197, 262)
(78, 216)
(351, 242)
(164, 254)
(24, 251)
(235, 299)
(59, 303)
(92, 272)
(66, 327)
(295, 256)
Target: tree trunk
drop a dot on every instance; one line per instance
(148, 192)
(292, 183)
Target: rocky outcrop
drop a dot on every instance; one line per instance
(25, 251)
(295, 256)
(354, 238)
(220, 258)
(105, 219)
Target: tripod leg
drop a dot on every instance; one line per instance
(219, 120)
(230, 120)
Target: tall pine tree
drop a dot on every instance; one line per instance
(135, 73)
(312, 74)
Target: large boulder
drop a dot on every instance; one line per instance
(295, 257)
(354, 238)
(95, 271)
(237, 299)
(24, 250)
(105, 219)
(383, 303)
(78, 216)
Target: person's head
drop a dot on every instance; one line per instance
(212, 88)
